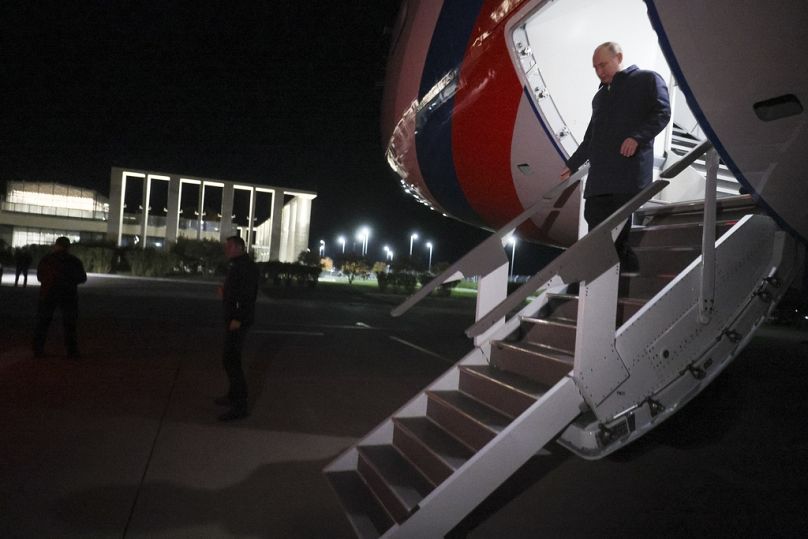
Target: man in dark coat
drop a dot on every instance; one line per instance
(239, 294)
(629, 109)
(60, 274)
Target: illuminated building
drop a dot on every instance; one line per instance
(274, 222)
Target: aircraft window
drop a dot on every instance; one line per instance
(778, 107)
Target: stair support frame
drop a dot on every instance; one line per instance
(707, 289)
(648, 398)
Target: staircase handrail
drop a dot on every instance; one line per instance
(568, 264)
(489, 254)
(599, 238)
(688, 159)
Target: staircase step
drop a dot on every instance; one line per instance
(728, 209)
(367, 516)
(565, 307)
(642, 287)
(430, 448)
(506, 392)
(681, 234)
(394, 481)
(537, 363)
(465, 418)
(663, 260)
(553, 332)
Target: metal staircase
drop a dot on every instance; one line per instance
(683, 142)
(596, 360)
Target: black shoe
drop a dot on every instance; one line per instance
(39, 354)
(233, 414)
(73, 356)
(224, 400)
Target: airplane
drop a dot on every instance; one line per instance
(484, 100)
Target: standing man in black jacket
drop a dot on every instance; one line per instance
(629, 109)
(238, 294)
(60, 274)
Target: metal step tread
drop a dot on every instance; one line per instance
(666, 248)
(403, 479)
(574, 297)
(512, 382)
(366, 514)
(696, 208)
(638, 302)
(726, 223)
(550, 321)
(473, 409)
(542, 350)
(547, 350)
(439, 442)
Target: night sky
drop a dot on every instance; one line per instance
(279, 93)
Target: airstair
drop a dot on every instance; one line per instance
(582, 355)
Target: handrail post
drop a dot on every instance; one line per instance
(492, 289)
(707, 292)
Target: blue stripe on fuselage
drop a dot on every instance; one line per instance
(433, 140)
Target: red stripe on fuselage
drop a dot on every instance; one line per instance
(485, 109)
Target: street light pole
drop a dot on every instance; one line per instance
(364, 234)
(322, 248)
(429, 246)
(366, 231)
(412, 237)
(341, 240)
(512, 241)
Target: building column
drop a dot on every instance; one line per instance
(200, 208)
(144, 226)
(117, 186)
(275, 225)
(251, 221)
(302, 222)
(286, 232)
(173, 213)
(226, 225)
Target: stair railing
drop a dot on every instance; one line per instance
(707, 288)
(489, 260)
(589, 258)
(592, 261)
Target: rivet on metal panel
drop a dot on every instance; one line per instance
(655, 407)
(697, 372)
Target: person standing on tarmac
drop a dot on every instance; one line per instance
(60, 274)
(239, 294)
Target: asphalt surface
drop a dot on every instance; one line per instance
(125, 442)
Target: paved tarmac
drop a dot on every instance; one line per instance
(125, 442)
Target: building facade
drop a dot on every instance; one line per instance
(155, 209)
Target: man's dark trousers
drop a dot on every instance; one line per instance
(599, 208)
(69, 306)
(233, 343)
